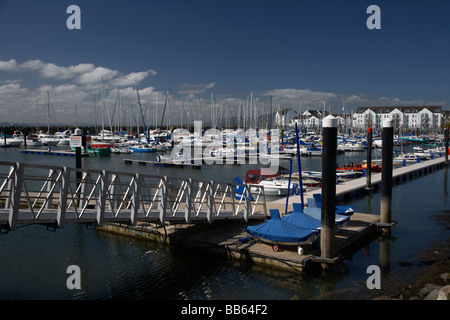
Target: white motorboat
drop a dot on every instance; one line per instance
(33, 141)
(273, 183)
(47, 139)
(408, 157)
(63, 137)
(10, 141)
(420, 153)
(311, 151)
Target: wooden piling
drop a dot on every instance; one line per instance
(327, 239)
(386, 173)
(369, 159)
(446, 147)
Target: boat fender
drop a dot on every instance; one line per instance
(158, 158)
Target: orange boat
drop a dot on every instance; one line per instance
(358, 167)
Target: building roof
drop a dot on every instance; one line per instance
(404, 109)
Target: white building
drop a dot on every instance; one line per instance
(410, 117)
(284, 117)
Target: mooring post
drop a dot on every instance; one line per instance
(369, 159)
(446, 146)
(328, 211)
(24, 138)
(386, 173)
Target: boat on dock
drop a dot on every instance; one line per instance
(277, 231)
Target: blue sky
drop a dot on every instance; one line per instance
(225, 51)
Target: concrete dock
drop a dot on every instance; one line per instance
(224, 237)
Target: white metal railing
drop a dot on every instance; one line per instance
(31, 193)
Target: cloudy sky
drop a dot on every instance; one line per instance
(218, 54)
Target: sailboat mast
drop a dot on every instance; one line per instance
(48, 112)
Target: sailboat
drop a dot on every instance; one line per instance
(48, 139)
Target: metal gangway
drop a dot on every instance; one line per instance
(52, 195)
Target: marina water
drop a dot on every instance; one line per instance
(34, 261)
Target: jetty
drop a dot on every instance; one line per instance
(163, 163)
(51, 152)
(355, 187)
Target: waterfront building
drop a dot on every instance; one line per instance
(423, 118)
(309, 119)
(284, 117)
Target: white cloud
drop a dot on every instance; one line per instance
(96, 75)
(131, 78)
(51, 70)
(195, 89)
(79, 85)
(10, 65)
(304, 94)
(32, 65)
(10, 89)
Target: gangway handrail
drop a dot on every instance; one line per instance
(46, 194)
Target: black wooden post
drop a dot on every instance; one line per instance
(446, 146)
(328, 212)
(25, 138)
(369, 159)
(386, 173)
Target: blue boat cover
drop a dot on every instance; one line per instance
(316, 213)
(278, 230)
(345, 210)
(300, 219)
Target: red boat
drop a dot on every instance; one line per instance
(359, 167)
(96, 145)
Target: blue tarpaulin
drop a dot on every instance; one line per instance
(316, 213)
(300, 219)
(278, 230)
(344, 210)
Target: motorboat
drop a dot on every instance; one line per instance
(407, 157)
(273, 183)
(311, 150)
(420, 153)
(33, 141)
(141, 148)
(121, 150)
(63, 137)
(10, 141)
(47, 139)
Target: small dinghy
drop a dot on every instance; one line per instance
(278, 231)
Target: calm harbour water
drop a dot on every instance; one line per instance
(33, 261)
